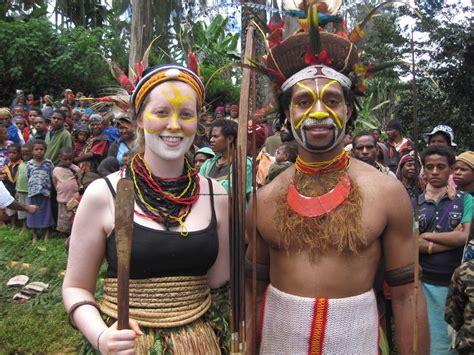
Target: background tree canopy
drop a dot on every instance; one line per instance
(45, 50)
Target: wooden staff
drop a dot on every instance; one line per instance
(124, 208)
(238, 193)
(417, 173)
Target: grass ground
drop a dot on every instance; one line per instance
(39, 325)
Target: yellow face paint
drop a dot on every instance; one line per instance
(319, 115)
(175, 101)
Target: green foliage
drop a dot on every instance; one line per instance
(220, 89)
(40, 325)
(446, 54)
(38, 59)
(367, 120)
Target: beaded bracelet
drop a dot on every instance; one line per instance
(76, 306)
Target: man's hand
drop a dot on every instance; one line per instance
(31, 209)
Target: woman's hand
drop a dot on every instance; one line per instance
(113, 341)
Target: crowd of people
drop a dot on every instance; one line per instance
(49, 157)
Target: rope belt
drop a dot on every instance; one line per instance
(163, 302)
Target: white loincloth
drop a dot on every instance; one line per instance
(300, 325)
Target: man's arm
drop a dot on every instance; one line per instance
(454, 239)
(18, 206)
(399, 251)
(424, 246)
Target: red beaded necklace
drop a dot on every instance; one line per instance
(320, 205)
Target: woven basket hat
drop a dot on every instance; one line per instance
(289, 56)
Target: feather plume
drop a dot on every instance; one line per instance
(313, 29)
(333, 6)
(193, 63)
(115, 100)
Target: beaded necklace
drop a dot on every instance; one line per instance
(337, 163)
(164, 200)
(320, 205)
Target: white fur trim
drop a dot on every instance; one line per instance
(313, 72)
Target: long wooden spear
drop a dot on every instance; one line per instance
(417, 173)
(238, 193)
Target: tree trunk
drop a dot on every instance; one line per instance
(141, 30)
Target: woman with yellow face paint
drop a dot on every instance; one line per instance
(179, 245)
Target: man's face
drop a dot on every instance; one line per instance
(57, 121)
(40, 124)
(96, 128)
(437, 170)
(13, 154)
(66, 111)
(439, 139)
(408, 169)
(234, 112)
(463, 174)
(285, 134)
(392, 134)
(4, 119)
(20, 123)
(199, 159)
(25, 153)
(76, 115)
(376, 135)
(18, 110)
(3, 134)
(318, 113)
(365, 149)
(66, 159)
(218, 141)
(82, 136)
(32, 115)
(126, 131)
(38, 151)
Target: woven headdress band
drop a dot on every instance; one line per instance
(317, 71)
(161, 74)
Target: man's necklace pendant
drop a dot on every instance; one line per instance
(319, 205)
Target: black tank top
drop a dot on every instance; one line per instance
(158, 253)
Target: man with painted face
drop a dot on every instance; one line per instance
(322, 227)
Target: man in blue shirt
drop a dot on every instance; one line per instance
(126, 142)
(444, 222)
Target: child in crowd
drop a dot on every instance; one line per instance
(285, 156)
(4, 144)
(464, 172)
(66, 180)
(10, 173)
(39, 172)
(81, 135)
(22, 184)
(201, 156)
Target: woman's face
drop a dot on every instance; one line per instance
(169, 120)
